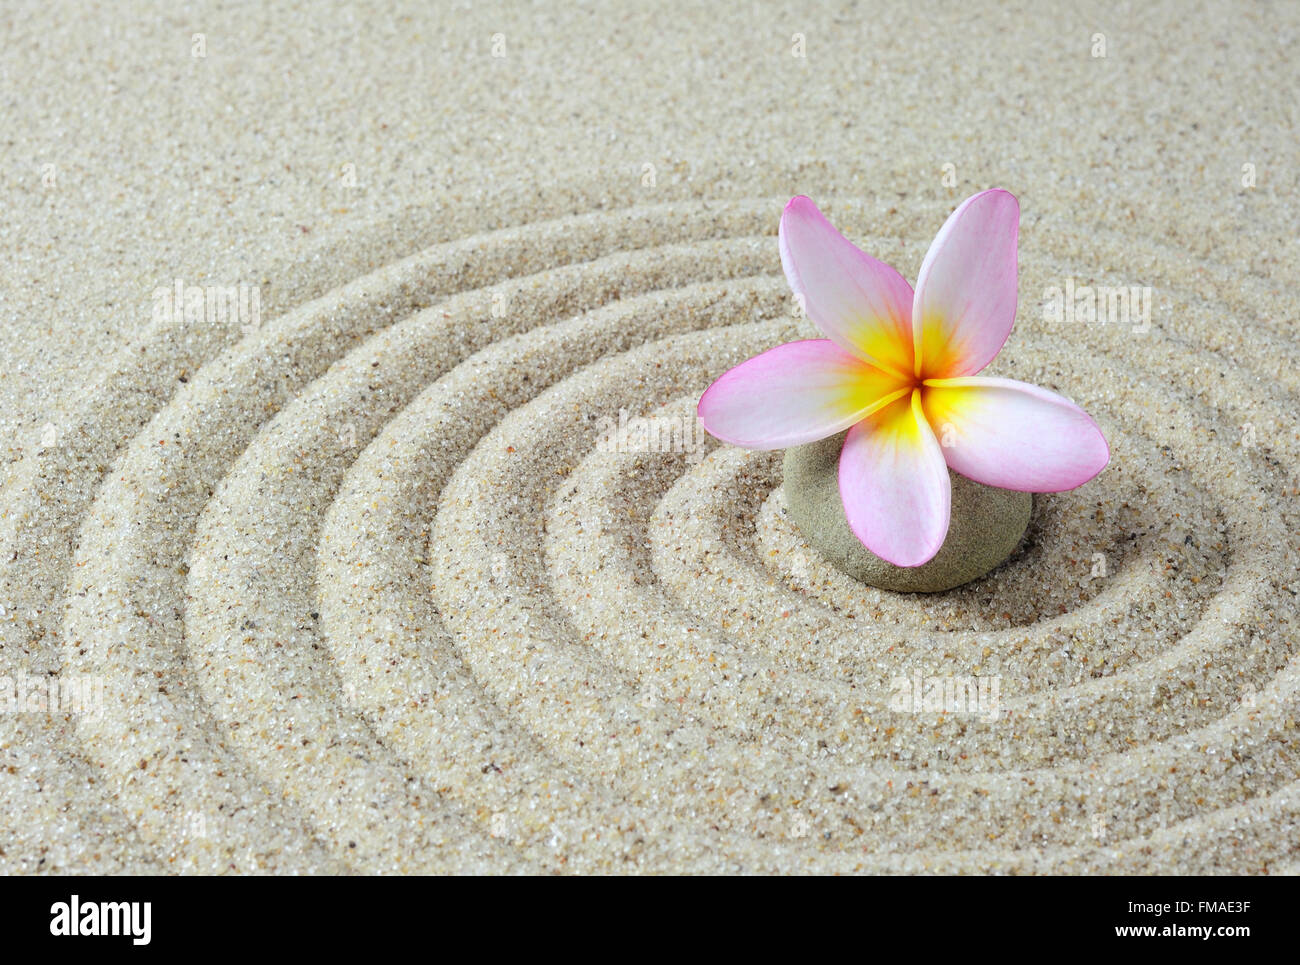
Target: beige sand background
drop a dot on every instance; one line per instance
(362, 590)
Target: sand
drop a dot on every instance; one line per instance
(365, 588)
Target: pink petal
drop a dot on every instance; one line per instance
(862, 304)
(1014, 435)
(965, 300)
(795, 393)
(894, 484)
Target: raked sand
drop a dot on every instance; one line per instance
(366, 590)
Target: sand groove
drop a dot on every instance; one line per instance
(370, 595)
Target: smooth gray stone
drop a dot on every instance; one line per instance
(986, 526)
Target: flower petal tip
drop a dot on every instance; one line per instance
(1001, 191)
(925, 555)
(1100, 454)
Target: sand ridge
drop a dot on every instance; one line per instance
(370, 596)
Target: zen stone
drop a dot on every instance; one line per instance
(986, 525)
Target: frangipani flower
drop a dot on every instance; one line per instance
(898, 370)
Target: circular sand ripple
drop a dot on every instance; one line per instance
(371, 591)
